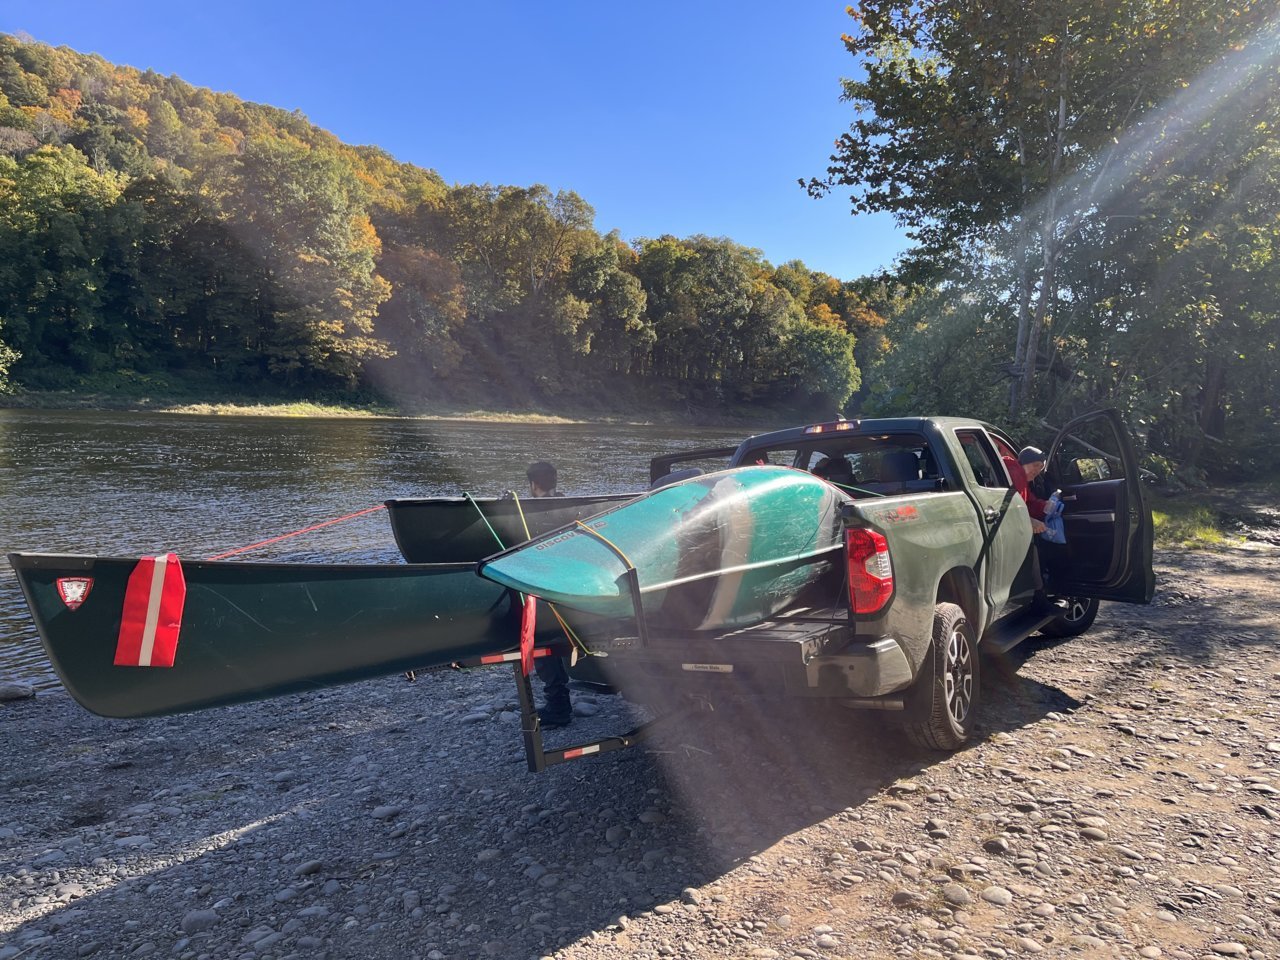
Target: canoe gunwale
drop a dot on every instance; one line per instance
(45, 561)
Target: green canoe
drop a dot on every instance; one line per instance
(721, 550)
(255, 630)
(462, 530)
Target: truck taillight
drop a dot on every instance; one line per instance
(870, 570)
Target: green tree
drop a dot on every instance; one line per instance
(8, 357)
(615, 332)
(300, 211)
(1004, 126)
(821, 365)
(426, 310)
(166, 134)
(54, 232)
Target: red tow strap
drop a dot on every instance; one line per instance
(528, 618)
(286, 536)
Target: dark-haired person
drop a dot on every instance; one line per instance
(542, 479)
(557, 709)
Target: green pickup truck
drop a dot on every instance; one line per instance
(939, 571)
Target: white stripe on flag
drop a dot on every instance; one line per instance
(153, 611)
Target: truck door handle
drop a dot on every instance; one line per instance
(1070, 498)
(991, 514)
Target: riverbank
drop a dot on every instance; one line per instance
(1123, 800)
(376, 408)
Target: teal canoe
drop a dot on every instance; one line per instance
(254, 630)
(462, 530)
(721, 550)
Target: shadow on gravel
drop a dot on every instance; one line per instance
(765, 777)
(350, 843)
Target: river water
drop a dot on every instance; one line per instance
(129, 484)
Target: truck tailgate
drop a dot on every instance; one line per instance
(769, 658)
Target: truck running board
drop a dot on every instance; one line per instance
(1007, 634)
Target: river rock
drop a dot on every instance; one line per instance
(997, 895)
(15, 691)
(996, 845)
(196, 920)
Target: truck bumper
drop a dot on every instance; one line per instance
(858, 671)
(861, 670)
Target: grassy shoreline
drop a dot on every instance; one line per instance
(258, 407)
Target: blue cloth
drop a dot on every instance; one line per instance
(1054, 530)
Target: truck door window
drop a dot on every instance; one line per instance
(1002, 448)
(983, 461)
(1089, 455)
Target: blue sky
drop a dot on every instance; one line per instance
(667, 117)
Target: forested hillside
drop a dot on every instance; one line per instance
(158, 233)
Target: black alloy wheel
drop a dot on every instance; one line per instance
(1075, 620)
(942, 706)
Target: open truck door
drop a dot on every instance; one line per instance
(710, 458)
(1106, 516)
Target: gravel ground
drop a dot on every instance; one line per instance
(1123, 800)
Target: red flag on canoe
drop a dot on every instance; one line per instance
(152, 615)
(528, 618)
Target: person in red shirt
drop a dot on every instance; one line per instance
(1028, 466)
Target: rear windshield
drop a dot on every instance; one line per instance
(864, 465)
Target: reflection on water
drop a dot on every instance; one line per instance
(127, 484)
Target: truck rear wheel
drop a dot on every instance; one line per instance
(1075, 620)
(943, 703)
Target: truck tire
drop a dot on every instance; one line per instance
(1079, 617)
(943, 703)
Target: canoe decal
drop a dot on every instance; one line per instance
(152, 614)
(570, 534)
(74, 591)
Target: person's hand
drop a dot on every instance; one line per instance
(1037, 526)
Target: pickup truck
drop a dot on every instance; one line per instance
(938, 571)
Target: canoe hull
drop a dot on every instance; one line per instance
(722, 550)
(454, 530)
(256, 630)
